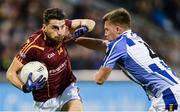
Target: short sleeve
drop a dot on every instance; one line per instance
(116, 50)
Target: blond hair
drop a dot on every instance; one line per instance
(118, 16)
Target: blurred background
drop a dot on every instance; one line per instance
(156, 21)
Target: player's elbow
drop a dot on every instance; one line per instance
(92, 23)
(9, 75)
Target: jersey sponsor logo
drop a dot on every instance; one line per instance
(50, 55)
(59, 69)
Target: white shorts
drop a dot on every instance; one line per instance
(70, 93)
(169, 96)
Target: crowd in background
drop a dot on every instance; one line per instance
(157, 21)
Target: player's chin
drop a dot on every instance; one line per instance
(59, 39)
(109, 39)
(67, 38)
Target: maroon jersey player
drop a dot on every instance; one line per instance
(56, 60)
(59, 92)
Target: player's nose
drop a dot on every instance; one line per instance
(59, 33)
(105, 35)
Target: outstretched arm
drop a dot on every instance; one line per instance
(76, 23)
(92, 43)
(83, 22)
(102, 74)
(78, 27)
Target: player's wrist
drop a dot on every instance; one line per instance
(25, 89)
(86, 29)
(89, 24)
(80, 31)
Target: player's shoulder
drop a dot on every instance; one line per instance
(119, 41)
(36, 36)
(35, 41)
(118, 45)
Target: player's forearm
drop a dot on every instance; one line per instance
(83, 22)
(11, 74)
(92, 43)
(102, 75)
(13, 78)
(89, 23)
(99, 79)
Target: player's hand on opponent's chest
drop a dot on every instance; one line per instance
(29, 86)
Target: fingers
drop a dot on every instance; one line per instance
(30, 76)
(43, 80)
(41, 84)
(38, 79)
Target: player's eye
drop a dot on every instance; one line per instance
(62, 26)
(55, 27)
(105, 29)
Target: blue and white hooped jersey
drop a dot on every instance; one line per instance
(144, 67)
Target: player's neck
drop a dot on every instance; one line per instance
(59, 45)
(124, 31)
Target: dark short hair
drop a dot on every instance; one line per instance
(118, 16)
(53, 13)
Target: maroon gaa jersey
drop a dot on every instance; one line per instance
(56, 59)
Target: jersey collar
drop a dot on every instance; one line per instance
(124, 33)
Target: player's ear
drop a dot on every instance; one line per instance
(43, 27)
(118, 29)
